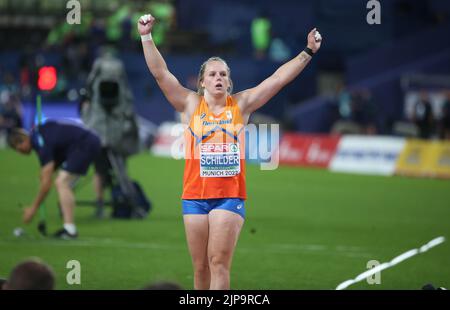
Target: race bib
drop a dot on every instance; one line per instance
(219, 160)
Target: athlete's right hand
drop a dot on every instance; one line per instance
(145, 24)
(28, 214)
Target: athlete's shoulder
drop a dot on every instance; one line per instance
(236, 101)
(191, 107)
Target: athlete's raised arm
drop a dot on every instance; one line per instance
(175, 93)
(252, 99)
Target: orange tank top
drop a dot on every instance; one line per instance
(215, 153)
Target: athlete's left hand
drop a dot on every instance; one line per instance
(28, 214)
(314, 40)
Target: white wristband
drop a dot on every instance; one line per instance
(146, 37)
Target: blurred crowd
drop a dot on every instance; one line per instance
(356, 112)
(74, 47)
(431, 120)
(11, 114)
(423, 119)
(118, 28)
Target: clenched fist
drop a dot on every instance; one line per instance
(314, 40)
(145, 24)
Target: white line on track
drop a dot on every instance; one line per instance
(393, 262)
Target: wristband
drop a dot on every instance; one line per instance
(309, 51)
(146, 37)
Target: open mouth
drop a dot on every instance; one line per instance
(219, 85)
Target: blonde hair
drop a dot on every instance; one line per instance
(201, 75)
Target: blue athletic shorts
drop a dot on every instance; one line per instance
(204, 206)
(81, 155)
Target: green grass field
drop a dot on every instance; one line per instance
(305, 229)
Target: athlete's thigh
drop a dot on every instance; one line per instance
(197, 230)
(224, 229)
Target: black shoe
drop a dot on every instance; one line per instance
(430, 287)
(64, 234)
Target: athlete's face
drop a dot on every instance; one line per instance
(216, 78)
(24, 146)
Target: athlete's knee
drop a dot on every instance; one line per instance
(59, 182)
(62, 181)
(219, 261)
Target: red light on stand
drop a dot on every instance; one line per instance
(47, 78)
